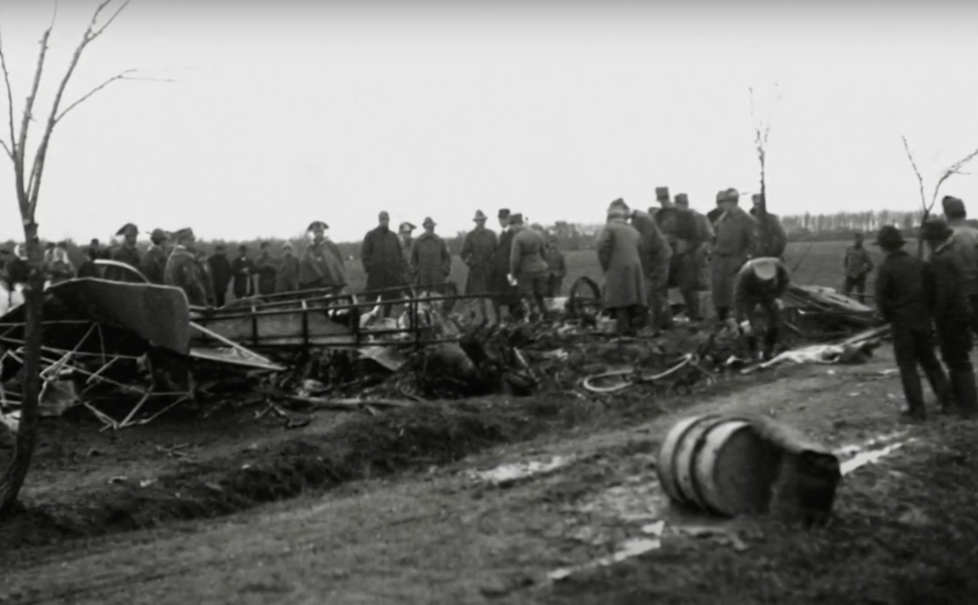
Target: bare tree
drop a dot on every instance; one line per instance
(27, 183)
(762, 130)
(928, 205)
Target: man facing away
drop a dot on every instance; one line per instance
(153, 264)
(858, 264)
(625, 292)
(183, 271)
(527, 265)
(702, 254)
(656, 256)
(683, 234)
(735, 243)
(220, 271)
(772, 240)
(903, 302)
(965, 243)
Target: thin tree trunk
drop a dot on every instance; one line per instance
(16, 471)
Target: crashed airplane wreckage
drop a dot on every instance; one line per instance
(116, 344)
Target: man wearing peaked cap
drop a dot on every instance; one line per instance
(705, 227)
(901, 297)
(383, 259)
(528, 267)
(507, 295)
(317, 226)
(679, 227)
(772, 239)
(619, 248)
(656, 256)
(735, 242)
(965, 244)
(406, 236)
(127, 253)
(321, 265)
(952, 311)
(153, 264)
(477, 250)
(183, 269)
(431, 263)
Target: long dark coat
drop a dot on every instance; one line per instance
(477, 250)
(736, 240)
(321, 267)
(153, 264)
(382, 259)
(242, 268)
(184, 272)
(288, 274)
(124, 254)
(220, 268)
(498, 276)
(431, 263)
(655, 251)
(266, 269)
(618, 247)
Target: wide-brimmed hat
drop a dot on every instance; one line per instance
(889, 238)
(428, 221)
(479, 216)
(126, 228)
(935, 229)
(765, 268)
(406, 227)
(317, 225)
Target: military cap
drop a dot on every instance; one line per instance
(756, 198)
(317, 225)
(428, 221)
(889, 238)
(126, 228)
(682, 198)
(516, 218)
(935, 230)
(953, 207)
(184, 233)
(159, 235)
(661, 192)
(618, 203)
(406, 227)
(765, 269)
(503, 213)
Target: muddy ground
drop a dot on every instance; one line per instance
(438, 532)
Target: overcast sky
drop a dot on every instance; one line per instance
(286, 112)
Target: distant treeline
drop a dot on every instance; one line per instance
(800, 228)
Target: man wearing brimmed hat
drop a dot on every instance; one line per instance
(858, 265)
(527, 265)
(153, 264)
(735, 242)
(761, 282)
(321, 265)
(431, 262)
(952, 312)
(965, 244)
(219, 267)
(477, 249)
(901, 297)
(772, 239)
(506, 295)
(127, 253)
(183, 271)
(679, 227)
(655, 255)
(383, 260)
(619, 253)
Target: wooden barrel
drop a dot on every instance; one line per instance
(718, 464)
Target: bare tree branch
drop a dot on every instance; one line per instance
(7, 148)
(954, 169)
(10, 99)
(120, 76)
(916, 171)
(90, 34)
(20, 147)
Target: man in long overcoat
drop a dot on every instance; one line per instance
(183, 270)
(625, 291)
(321, 265)
(383, 260)
(220, 270)
(771, 237)
(477, 249)
(153, 263)
(127, 253)
(431, 263)
(506, 294)
(679, 227)
(656, 256)
(858, 264)
(702, 255)
(965, 243)
(287, 279)
(527, 265)
(242, 268)
(736, 240)
(266, 268)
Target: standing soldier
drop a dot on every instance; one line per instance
(705, 228)
(772, 240)
(288, 272)
(126, 253)
(857, 264)
(760, 282)
(431, 263)
(220, 270)
(183, 271)
(679, 227)
(656, 256)
(736, 240)
(556, 268)
(100, 252)
(965, 243)
(321, 265)
(88, 268)
(405, 234)
(153, 264)
(382, 260)
(902, 298)
(952, 312)
(477, 250)
(266, 269)
(242, 268)
(527, 266)
(506, 295)
(625, 291)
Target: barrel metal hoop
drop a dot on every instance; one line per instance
(695, 497)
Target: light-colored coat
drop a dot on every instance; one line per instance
(735, 241)
(431, 262)
(618, 247)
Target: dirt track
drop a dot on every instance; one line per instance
(445, 536)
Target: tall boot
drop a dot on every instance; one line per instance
(963, 383)
(941, 387)
(913, 391)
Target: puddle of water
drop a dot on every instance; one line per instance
(870, 456)
(874, 443)
(506, 473)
